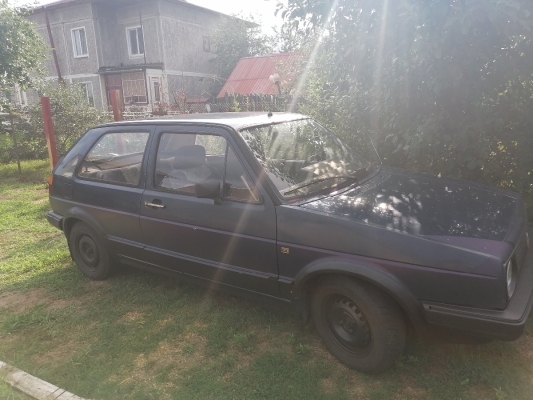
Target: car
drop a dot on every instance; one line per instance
(274, 206)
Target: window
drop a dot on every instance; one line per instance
(207, 43)
(79, 42)
(134, 87)
(116, 158)
(183, 160)
(87, 89)
(136, 41)
(21, 97)
(157, 90)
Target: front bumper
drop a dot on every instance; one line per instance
(508, 324)
(55, 219)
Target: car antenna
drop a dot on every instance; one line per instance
(380, 162)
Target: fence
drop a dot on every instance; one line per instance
(234, 103)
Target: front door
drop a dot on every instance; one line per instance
(155, 91)
(231, 241)
(113, 82)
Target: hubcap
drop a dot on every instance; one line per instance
(348, 325)
(88, 252)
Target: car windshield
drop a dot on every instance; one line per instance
(302, 158)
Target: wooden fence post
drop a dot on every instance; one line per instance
(15, 144)
(49, 131)
(116, 104)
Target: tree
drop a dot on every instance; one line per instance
(440, 85)
(21, 48)
(289, 38)
(236, 38)
(72, 116)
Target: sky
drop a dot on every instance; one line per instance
(263, 10)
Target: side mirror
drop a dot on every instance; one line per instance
(208, 189)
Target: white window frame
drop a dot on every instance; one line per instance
(21, 97)
(73, 36)
(88, 84)
(131, 28)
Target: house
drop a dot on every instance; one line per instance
(153, 51)
(263, 75)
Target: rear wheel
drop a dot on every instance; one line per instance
(89, 252)
(359, 324)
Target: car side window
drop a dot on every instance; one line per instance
(116, 158)
(185, 159)
(238, 185)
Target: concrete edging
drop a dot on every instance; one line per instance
(33, 387)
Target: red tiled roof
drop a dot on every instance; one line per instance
(251, 74)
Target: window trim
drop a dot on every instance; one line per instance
(128, 38)
(89, 84)
(73, 36)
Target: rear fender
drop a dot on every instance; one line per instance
(75, 214)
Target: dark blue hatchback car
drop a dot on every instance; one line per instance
(276, 207)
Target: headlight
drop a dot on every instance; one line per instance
(511, 277)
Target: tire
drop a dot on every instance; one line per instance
(89, 252)
(359, 324)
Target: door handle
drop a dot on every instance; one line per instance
(155, 205)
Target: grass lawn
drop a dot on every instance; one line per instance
(8, 393)
(144, 336)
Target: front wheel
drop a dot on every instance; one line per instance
(359, 324)
(88, 252)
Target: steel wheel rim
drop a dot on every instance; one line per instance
(347, 325)
(88, 251)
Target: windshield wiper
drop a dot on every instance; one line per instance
(318, 180)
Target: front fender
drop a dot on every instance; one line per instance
(370, 273)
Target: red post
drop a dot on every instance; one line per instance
(49, 130)
(116, 104)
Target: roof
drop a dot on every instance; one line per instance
(237, 120)
(251, 74)
(64, 3)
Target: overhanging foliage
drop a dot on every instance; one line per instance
(441, 85)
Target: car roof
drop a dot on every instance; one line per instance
(236, 120)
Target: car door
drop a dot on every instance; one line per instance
(109, 183)
(231, 241)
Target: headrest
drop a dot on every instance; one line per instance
(189, 157)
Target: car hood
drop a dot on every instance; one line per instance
(459, 213)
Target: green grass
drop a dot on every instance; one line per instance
(8, 393)
(144, 336)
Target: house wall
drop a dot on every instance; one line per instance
(62, 20)
(173, 35)
(183, 28)
(96, 82)
(132, 16)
